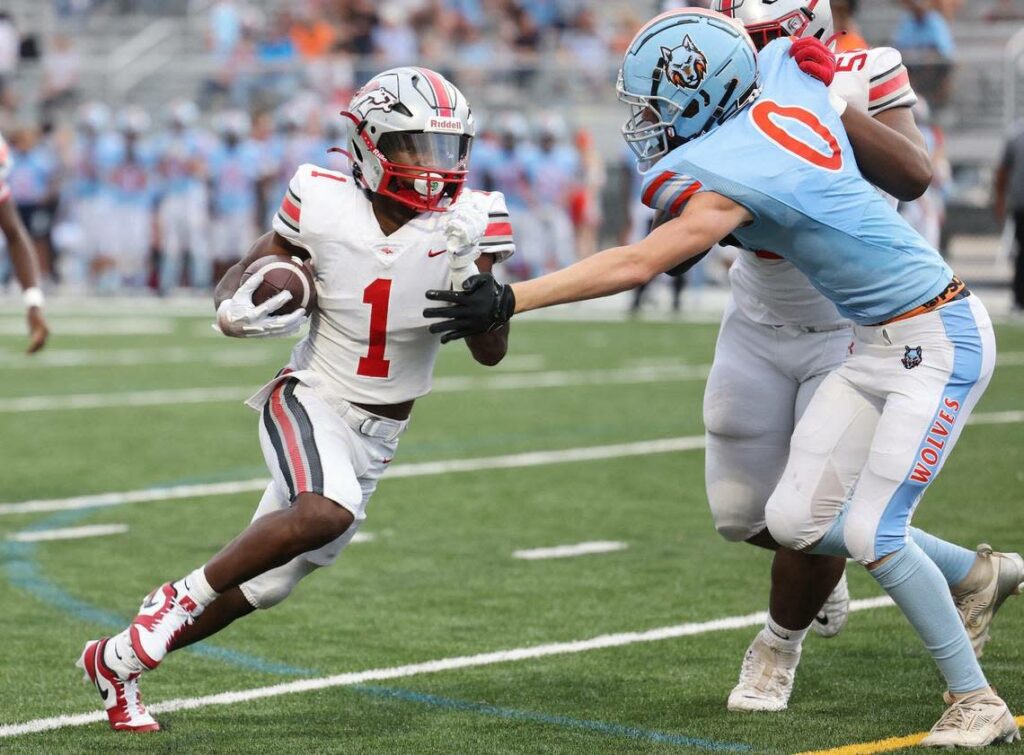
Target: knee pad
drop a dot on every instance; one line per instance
(271, 587)
(737, 512)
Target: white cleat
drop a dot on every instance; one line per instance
(833, 615)
(161, 618)
(976, 720)
(766, 679)
(993, 578)
(121, 698)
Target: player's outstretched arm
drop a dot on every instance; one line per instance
(488, 348)
(26, 269)
(890, 151)
(270, 242)
(485, 305)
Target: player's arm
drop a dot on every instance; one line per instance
(485, 305)
(270, 242)
(488, 348)
(26, 269)
(890, 151)
(705, 220)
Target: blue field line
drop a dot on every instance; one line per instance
(23, 572)
(599, 727)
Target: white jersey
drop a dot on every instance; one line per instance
(368, 340)
(767, 288)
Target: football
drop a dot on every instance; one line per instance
(283, 273)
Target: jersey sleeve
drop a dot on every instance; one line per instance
(497, 239)
(668, 191)
(889, 85)
(288, 219)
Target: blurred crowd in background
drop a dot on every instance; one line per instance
(121, 198)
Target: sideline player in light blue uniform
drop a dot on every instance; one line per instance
(769, 162)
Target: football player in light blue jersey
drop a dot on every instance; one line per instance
(767, 159)
(130, 177)
(182, 212)
(234, 169)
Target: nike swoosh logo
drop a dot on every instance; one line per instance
(435, 252)
(822, 618)
(150, 603)
(104, 692)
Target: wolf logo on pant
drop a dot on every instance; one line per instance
(912, 357)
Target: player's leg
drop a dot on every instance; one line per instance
(927, 404)
(748, 412)
(169, 215)
(198, 228)
(306, 515)
(837, 417)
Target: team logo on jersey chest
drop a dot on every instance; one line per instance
(685, 65)
(912, 356)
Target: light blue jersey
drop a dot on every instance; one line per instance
(234, 171)
(129, 173)
(787, 159)
(181, 155)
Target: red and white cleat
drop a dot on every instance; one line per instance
(161, 618)
(121, 697)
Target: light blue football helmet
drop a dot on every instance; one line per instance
(685, 72)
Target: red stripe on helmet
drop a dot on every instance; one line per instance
(445, 106)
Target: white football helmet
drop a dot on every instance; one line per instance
(409, 138)
(766, 20)
(133, 120)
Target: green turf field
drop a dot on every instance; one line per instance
(438, 579)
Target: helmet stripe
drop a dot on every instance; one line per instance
(445, 106)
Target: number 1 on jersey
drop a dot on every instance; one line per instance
(378, 296)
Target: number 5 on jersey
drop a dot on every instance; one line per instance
(378, 296)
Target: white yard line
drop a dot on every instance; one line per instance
(569, 551)
(450, 384)
(80, 326)
(419, 469)
(429, 667)
(62, 358)
(70, 533)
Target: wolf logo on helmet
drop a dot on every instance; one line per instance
(686, 65)
(377, 98)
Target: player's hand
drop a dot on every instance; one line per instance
(38, 330)
(482, 306)
(238, 317)
(814, 59)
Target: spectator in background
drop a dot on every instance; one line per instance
(10, 46)
(313, 37)
(225, 29)
(394, 40)
(924, 37)
(585, 49)
(1009, 203)
(61, 67)
(585, 203)
(923, 33)
(848, 36)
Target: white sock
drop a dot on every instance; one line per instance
(786, 640)
(120, 658)
(198, 588)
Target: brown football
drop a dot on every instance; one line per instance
(282, 273)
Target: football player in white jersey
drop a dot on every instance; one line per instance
(23, 256)
(400, 224)
(778, 340)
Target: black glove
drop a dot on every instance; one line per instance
(483, 305)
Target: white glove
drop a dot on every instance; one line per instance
(240, 318)
(467, 222)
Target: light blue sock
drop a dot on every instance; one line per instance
(953, 561)
(833, 544)
(919, 589)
